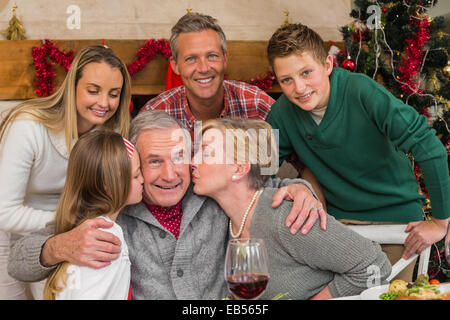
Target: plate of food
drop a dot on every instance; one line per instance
(421, 289)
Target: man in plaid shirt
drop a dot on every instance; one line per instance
(199, 56)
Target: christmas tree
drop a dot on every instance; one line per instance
(15, 30)
(400, 46)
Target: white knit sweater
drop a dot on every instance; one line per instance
(33, 165)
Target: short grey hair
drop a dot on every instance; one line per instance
(151, 120)
(195, 22)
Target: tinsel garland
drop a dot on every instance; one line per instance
(412, 62)
(45, 73)
(148, 52)
(264, 83)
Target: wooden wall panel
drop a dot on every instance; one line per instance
(247, 60)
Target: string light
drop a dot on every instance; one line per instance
(415, 91)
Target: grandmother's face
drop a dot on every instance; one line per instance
(211, 173)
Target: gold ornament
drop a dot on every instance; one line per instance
(440, 34)
(433, 81)
(15, 30)
(446, 70)
(390, 5)
(189, 10)
(443, 101)
(286, 18)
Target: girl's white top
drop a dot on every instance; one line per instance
(109, 283)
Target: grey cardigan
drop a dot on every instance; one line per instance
(191, 267)
(302, 265)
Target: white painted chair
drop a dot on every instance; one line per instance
(393, 234)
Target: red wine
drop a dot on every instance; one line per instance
(247, 286)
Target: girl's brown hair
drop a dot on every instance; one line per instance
(97, 184)
(58, 112)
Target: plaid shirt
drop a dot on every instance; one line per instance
(240, 100)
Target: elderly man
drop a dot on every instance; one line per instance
(176, 239)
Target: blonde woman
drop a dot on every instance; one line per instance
(231, 167)
(36, 138)
(103, 176)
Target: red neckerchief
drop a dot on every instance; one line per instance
(170, 218)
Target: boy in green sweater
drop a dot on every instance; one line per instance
(353, 135)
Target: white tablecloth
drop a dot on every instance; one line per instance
(358, 297)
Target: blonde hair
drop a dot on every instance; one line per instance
(246, 133)
(58, 112)
(97, 184)
(296, 39)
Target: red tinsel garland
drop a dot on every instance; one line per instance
(409, 69)
(45, 73)
(411, 64)
(264, 83)
(148, 52)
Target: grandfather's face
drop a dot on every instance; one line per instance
(165, 165)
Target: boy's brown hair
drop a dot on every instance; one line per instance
(296, 39)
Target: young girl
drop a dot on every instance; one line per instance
(103, 176)
(36, 138)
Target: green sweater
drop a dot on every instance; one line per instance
(357, 152)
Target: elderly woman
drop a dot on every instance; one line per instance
(234, 161)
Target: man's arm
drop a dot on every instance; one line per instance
(84, 245)
(306, 207)
(309, 176)
(24, 257)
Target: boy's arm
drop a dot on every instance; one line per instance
(410, 132)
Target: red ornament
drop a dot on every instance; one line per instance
(348, 64)
(359, 35)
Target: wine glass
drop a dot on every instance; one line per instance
(246, 268)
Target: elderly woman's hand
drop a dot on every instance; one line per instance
(305, 208)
